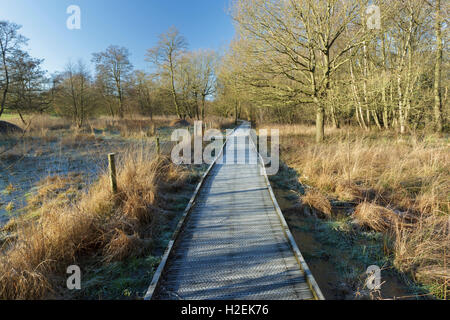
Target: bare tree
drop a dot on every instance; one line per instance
(142, 87)
(74, 93)
(188, 89)
(205, 63)
(438, 66)
(303, 42)
(28, 85)
(10, 42)
(105, 94)
(195, 75)
(166, 55)
(114, 67)
(231, 84)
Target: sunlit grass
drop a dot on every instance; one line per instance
(401, 184)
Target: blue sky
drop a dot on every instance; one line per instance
(134, 24)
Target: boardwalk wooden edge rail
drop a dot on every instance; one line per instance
(299, 257)
(159, 272)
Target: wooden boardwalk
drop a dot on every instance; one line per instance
(233, 242)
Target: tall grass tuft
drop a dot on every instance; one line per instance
(315, 199)
(424, 252)
(398, 184)
(98, 223)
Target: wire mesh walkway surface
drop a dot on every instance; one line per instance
(233, 244)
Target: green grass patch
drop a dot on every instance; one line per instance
(118, 280)
(8, 116)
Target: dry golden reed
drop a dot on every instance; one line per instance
(399, 184)
(114, 227)
(318, 201)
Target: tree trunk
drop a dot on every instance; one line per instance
(365, 75)
(409, 83)
(121, 113)
(385, 118)
(383, 92)
(357, 100)
(437, 72)
(357, 117)
(334, 118)
(385, 108)
(197, 111)
(5, 91)
(236, 113)
(174, 93)
(203, 107)
(402, 113)
(120, 97)
(376, 119)
(111, 110)
(320, 122)
(21, 118)
(401, 110)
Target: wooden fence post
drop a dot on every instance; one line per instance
(112, 172)
(158, 146)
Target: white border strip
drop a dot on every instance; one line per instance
(301, 261)
(158, 273)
